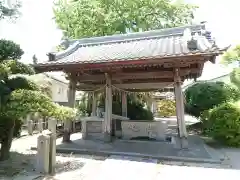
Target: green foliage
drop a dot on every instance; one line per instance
(166, 108)
(21, 83)
(64, 113)
(22, 102)
(135, 107)
(223, 124)
(206, 95)
(136, 111)
(232, 55)
(20, 96)
(82, 107)
(17, 67)
(9, 50)
(7, 12)
(235, 77)
(4, 70)
(86, 18)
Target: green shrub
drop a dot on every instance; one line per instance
(223, 124)
(166, 108)
(135, 107)
(206, 95)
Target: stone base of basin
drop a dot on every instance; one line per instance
(155, 129)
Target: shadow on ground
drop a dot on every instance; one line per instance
(16, 164)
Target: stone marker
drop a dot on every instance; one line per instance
(43, 147)
(40, 125)
(84, 129)
(52, 153)
(52, 123)
(30, 127)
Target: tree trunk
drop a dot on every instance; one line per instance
(6, 143)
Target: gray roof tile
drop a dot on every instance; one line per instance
(134, 46)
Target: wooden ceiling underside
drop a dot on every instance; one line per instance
(140, 78)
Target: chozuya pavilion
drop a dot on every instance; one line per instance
(142, 61)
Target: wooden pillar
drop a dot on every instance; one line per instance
(182, 132)
(108, 110)
(71, 103)
(89, 100)
(124, 104)
(94, 104)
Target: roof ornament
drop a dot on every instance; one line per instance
(191, 42)
(51, 57)
(34, 58)
(65, 43)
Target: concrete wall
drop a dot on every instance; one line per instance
(59, 91)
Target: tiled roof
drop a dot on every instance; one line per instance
(135, 46)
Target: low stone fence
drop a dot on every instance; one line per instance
(35, 124)
(152, 129)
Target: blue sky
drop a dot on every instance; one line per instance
(37, 33)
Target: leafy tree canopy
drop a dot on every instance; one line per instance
(9, 12)
(232, 55)
(205, 95)
(86, 18)
(9, 50)
(235, 77)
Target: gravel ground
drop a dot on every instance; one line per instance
(21, 165)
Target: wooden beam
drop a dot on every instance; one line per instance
(136, 75)
(132, 86)
(143, 85)
(122, 76)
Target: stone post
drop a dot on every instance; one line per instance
(43, 148)
(84, 129)
(30, 127)
(52, 123)
(40, 125)
(108, 110)
(52, 153)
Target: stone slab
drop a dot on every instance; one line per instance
(154, 129)
(94, 127)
